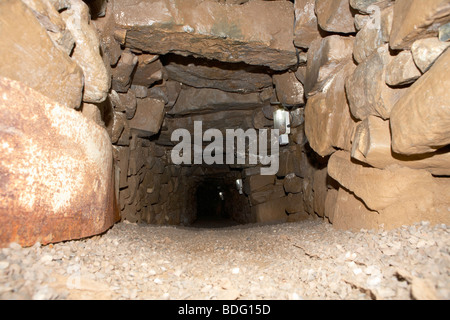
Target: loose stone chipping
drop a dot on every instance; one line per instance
(305, 260)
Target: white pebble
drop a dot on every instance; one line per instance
(235, 271)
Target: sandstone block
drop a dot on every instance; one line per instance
(380, 188)
(97, 79)
(372, 145)
(225, 32)
(195, 101)
(298, 216)
(420, 121)
(328, 122)
(266, 193)
(289, 90)
(125, 137)
(402, 70)
(294, 203)
(367, 91)
(297, 117)
(298, 135)
(56, 169)
(365, 6)
(203, 73)
(124, 102)
(121, 74)
(292, 183)
(373, 34)
(148, 118)
(140, 92)
(173, 89)
(306, 27)
(361, 20)
(286, 163)
(330, 204)
(26, 50)
(335, 16)
(255, 182)
(51, 20)
(417, 19)
(426, 51)
(351, 214)
(115, 126)
(92, 112)
(271, 211)
(325, 57)
(260, 121)
(223, 119)
(148, 71)
(106, 26)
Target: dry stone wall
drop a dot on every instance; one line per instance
(391, 166)
(366, 83)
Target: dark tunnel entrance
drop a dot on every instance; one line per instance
(219, 203)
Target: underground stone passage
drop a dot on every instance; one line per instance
(317, 129)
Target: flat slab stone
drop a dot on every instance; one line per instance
(55, 170)
(229, 33)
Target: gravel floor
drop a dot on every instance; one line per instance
(305, 260)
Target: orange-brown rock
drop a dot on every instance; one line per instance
(92, 112)
(256, 182)
(292, 183)
(56, 170)
(426, 51)
(367, 91)
(330, 204)
(335, 16)
(97, 79)
(372, 145)
(306, 26)
(106, 26)
(148, 118)
(197, 101)
(204, 73)
(402, 70)
(50, 19)
(325, 57)
(373, 34)
(414, 194)
(26, 50)
(417, 19)
(420, 121)
(328, 122)
(225, 32)
(121, 74)
(289, 90)
(294, 204)
(392, 197)
(148, 71)
(271, 211)
(267, 193)
(116, 125)
(350, 213)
